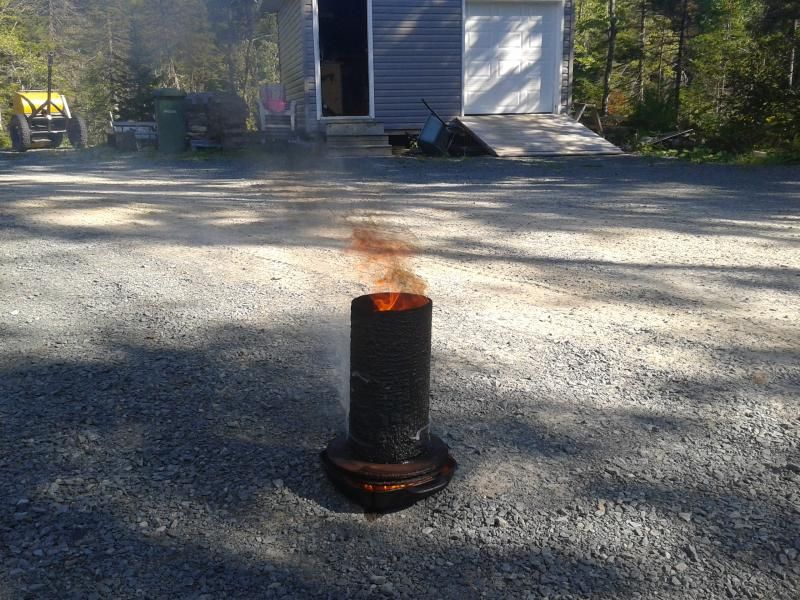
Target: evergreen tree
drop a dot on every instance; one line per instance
(783, 17)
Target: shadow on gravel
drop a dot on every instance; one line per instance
(115, 464)
(736, 521)
(158, 470)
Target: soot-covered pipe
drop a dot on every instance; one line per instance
(389, 459)
(390, 369)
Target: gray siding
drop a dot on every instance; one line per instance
(566, 64)
(309, 68)
(417, 52)
(290, 44)
(417, 46)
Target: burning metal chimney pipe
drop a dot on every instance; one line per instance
(390, 368)
(389, 458)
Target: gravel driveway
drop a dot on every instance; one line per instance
(616, 369)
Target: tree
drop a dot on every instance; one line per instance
(793, 53)
(684, 22)
(23, 49)
(783, 16)
(59, 15)
(642, 48)
(612, 44)
(591, 30)
(247, 34)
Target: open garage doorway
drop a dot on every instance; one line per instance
(344, 58)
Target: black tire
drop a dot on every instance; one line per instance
(77, 132)
(56, 139)
(20, 133)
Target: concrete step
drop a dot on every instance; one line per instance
(360, 152)
(349, 141)
(357, 128)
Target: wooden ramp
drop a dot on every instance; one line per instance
(535, 135)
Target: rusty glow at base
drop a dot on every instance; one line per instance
(389, 459)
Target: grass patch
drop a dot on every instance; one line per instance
(703, 155)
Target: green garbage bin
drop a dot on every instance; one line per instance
(171, 120)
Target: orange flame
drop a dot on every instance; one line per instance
(385, 254)
(386, 301)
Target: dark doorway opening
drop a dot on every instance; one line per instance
(344, 58)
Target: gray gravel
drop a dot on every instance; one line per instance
(616, 368)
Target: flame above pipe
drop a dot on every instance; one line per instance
(385, 254)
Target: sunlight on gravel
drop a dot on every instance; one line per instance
(616, 369)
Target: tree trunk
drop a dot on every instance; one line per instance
(231, 68)
(642, 47)
(679, 62)
(51, 20)
(793, 55)
(230, 53)
(110, 63)
(248, 61)
(661, 65)
(612, 43)
(721, 92)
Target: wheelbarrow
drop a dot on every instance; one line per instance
(436, 136)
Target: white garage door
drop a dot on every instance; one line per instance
(511, 56)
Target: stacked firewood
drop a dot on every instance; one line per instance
(216, 120)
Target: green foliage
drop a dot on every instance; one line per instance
(22, 49)
(704, 154)
(112, 54)
(735, 76)
(655, 113)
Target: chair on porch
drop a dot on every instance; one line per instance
(276, 114)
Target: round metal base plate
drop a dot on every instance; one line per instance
(386, 487)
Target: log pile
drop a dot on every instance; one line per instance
(216, 120)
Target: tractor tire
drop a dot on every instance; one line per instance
(20, 133)
(77, 132)
(56, 139)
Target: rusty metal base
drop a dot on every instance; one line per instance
(387, 487)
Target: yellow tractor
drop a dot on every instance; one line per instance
(41, 118)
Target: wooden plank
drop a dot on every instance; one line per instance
(535, 135)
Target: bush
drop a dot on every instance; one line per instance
(656, 113)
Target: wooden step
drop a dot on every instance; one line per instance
(353, 128)
(349, 141)
(360, 152)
